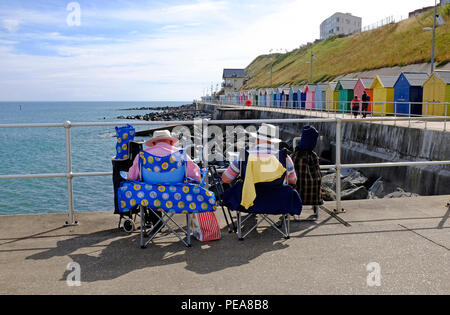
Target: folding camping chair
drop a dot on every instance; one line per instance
(272, 198)
(164, 190)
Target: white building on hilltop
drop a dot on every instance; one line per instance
(340, 24)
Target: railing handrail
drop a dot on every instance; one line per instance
(69, 175)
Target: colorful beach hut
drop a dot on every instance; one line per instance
(363, 84)
(383, 95)
(345, 87)
(332, 97)
(293, 96)
(285, 97)
(268, 97)
(436, 92)
(273, 97)
(310, 91)
(321, 96)
(408, 93)
(302, 96)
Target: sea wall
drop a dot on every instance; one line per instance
(371, 143)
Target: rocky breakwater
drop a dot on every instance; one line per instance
(356, 186)
(181, 113)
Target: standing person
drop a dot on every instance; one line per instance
(365, 104)
(355, 106)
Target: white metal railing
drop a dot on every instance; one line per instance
(338, 166)
(343, 108)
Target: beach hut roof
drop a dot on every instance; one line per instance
(386, 81)
(367, 82)
(295, 88)
(347, 84)
(444, 76)
(332, 85)
(416, 78)
(322, 86)
(311, 87)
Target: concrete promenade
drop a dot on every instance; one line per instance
(408, 238)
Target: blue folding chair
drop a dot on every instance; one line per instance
(273, 198)
(165, 190)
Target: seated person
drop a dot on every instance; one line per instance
(163, 144)
(264, 146)
(269, 194)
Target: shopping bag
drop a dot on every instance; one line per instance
(205, 227)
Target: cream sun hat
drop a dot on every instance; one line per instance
(161, 135)
(267, 132)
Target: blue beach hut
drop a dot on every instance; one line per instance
(279, 97)
(293, 96)
(302, 96)
(408, 93)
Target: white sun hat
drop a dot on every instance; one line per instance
(267, 132)
(161, 135)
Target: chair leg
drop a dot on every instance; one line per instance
(287, 226)
(188, 222)
(142, 232)
(239, 226)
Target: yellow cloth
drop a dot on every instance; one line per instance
(259, 170)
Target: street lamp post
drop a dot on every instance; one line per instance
(434, 36)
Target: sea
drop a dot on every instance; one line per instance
(43, 150)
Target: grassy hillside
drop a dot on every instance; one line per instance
(396, 44)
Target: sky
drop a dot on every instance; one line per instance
(152, 50)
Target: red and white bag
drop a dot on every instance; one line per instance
(205, 227)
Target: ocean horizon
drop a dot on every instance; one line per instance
(42, 150)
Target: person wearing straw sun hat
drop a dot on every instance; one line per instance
(266, 141)
(264, 173)
(163, 144)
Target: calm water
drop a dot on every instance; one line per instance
(42, 150)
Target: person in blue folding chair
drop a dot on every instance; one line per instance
(164, 188)
(261, 188)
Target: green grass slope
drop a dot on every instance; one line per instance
(396, 44)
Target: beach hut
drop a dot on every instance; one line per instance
(279, 97)
(267, 97)
(273, 97)
(263, 97)
(285, 97)
(321, 96)
(436, 92)
(363, 84)
(383, 94)
(310, 91)
(293, 96)
(302, 96)
(345, 87)
(408, 93)
(332, 97)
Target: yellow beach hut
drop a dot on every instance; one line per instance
(332, 97)
(436, 93)
(383, 94)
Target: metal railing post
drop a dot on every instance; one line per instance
(446, 113)
(205, 154)
(338, 165)
(69, 175)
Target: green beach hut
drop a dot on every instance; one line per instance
(345, 88)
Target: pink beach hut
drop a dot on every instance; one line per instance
(310, 91)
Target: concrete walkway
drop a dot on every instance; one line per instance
(408, 238)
